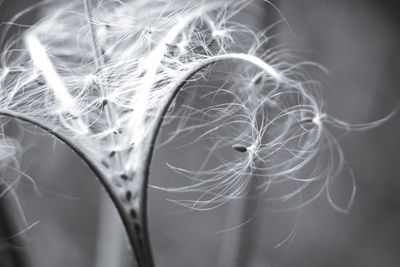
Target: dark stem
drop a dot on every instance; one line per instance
(163, 111)
(123, 211)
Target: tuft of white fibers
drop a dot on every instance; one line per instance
(100, 80)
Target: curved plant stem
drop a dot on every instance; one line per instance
(148, 155)
(123, 211)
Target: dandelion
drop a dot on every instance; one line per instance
(104, 80)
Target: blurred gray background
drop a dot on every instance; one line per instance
(358, 42)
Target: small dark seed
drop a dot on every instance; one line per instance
(258, 80)
(124, 176)
(119, 131)
(112, 153)
(105, 164)
(133, 214)
(142, 74)
(131, 147)
(306, 121)
(128, 195)
(240, 148)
